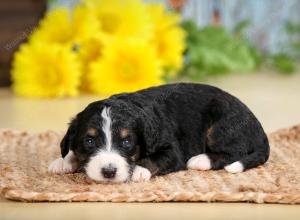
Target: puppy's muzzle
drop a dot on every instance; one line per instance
(108, 166)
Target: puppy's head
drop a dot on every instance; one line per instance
(105, 141)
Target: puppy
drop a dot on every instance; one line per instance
(159, 130)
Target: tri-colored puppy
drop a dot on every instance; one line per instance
(133, 136)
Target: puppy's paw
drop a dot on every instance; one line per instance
(235, 167)
(199, 162)
(60, 166)
(140, 174)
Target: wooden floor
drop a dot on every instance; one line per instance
(273, 98)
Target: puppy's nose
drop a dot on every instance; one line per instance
(109, 172)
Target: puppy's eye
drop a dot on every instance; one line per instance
(126, 144)
(89, 142)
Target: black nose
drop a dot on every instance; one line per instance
(109, 172)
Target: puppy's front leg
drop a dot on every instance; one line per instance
(160, 163)
(68, 164)
(140, 174)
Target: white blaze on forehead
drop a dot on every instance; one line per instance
(106, 128)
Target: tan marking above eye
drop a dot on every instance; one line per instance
(92, 132)
(124, 132)
(209, 130)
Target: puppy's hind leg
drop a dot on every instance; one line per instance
(219, 152)
(222, 147)
(231, 164)
(249, 161)
(68, 164)
(210, 161)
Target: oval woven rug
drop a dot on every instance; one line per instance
(24, 159)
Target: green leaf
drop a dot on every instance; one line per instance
(213, 50)
(241, 26)
(283, 63)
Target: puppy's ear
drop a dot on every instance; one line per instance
(65, 143)
(150, 130)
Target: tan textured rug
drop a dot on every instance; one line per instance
(24, 159)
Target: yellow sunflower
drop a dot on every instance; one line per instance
(127, 18)
(67, 27)
(45, 70)
(169, 37)
(125, 66)
(89, 51)
(170, 47)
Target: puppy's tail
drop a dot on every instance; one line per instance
(251, 160)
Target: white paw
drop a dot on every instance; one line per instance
(235, 167)
(60, 166)
(140, 174)
(199, 162)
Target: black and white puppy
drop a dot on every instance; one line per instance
(159, 130)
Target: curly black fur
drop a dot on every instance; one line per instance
(167, 125)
